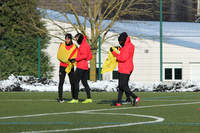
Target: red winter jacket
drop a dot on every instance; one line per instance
(84, 55)
(125, 58)
(68, 48)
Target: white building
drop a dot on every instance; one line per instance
(181, 50)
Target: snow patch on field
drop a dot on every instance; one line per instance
(30, 83)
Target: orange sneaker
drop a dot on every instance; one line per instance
(118, 104)
(135, 101)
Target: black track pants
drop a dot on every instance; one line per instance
(127, 96)
(82, 75)
(62, 75)
(123, 86)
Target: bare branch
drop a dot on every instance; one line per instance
(77, 19)
(69, 21)
(113, 8)
(113, 19)
(109, 37)
(41, 30)
(60, 27)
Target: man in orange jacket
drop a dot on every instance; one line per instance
(81, 73)
(125, 67)
(62, 73)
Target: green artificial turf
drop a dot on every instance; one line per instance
(56, 117)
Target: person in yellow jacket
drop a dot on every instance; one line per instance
(66, 51)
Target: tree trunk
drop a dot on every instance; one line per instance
(198, 8)
(173, 10)
(189, 10)
(93, 66)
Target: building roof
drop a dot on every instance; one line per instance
(185, 34)
(177, 33)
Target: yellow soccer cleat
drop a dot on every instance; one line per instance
(73, 101)
(87, 101)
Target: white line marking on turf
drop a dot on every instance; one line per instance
(191, 100)
(141, 107)
(96, 110)
(157, 119)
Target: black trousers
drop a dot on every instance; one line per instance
(62, 75)
(127, 95)
(123, 87)
(82, 75)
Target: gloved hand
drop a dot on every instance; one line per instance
(72, 60)
(117, 47)
(111, 49)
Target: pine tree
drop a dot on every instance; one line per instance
(18, 39)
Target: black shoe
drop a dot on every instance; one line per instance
(134, 101)
(128, 100)
(61, 100)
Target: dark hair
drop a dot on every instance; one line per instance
(68, 36)
(122, 38)
(80, 38)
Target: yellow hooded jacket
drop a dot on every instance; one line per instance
(110, 62)
(64, 55)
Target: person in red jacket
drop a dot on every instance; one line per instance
(68, 45)
(81, 73)
(125, 67)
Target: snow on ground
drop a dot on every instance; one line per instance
(185, 34)
(29, 83)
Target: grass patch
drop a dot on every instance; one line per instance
(178, 118)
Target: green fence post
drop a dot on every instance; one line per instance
(161, 43)
(39, 57)
(99, 58)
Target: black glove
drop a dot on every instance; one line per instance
(72, 60)
(117, 47)
(111, 49)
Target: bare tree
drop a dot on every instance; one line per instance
(95, 12)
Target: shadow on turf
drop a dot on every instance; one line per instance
(107, 102)
(69, 99)
(111, 102)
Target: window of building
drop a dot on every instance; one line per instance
(178, 73)
(168, 73)
(173, 73)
